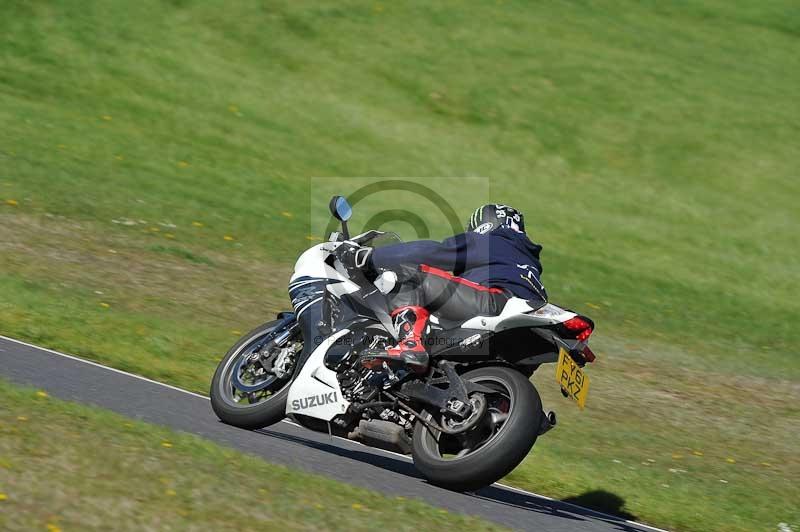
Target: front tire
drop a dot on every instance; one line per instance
(248, 416)
(505, 447)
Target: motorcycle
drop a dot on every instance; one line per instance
(467, 422)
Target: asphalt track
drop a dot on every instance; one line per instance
(78, 380)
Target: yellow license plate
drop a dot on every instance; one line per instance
(571, 378)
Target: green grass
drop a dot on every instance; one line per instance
(652, 147)
(182, 253)
(78, 468)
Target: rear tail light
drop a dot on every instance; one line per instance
(579, 326)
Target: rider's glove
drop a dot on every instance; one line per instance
(355, 257)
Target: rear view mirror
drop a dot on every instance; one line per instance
(340, 209)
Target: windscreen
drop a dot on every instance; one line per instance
(386, 239)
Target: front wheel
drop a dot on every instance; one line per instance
(251, 383)
(495, 446)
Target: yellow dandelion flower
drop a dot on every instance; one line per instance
(677, 456)
(730, 460)
(105, 305)
(53, 527)
(356, 506)
(287, 214)
(166, 444)
(3, 496)
(22, 418)
(183, 164)
(12, 202)
(697, 453)
(41, 393)
(107, 118)
(197, 224)
(228, 238)
(169, 235)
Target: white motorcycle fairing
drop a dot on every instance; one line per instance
(518, 313)
(311, 264)
(316, 392)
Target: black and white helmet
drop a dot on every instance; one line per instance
(489, 217)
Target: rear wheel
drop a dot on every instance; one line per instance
(250, 385)
(494, 446)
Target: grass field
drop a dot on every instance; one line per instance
(156, 165)
(70, 467)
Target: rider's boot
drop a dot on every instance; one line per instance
(409, 355)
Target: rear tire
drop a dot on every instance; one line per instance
(255, 416)
(497, 457)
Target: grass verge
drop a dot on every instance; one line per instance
(70, 467)
(153, 198)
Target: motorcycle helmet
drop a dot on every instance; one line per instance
(487, 218)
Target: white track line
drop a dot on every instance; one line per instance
(404, 457)
(77, 359)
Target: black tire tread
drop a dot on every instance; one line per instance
(259, 416)
(499, 457)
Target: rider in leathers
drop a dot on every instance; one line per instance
(470, 274)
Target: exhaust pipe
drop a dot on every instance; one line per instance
(548, 422)
(382, 434)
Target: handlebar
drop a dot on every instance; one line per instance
(363, 239)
